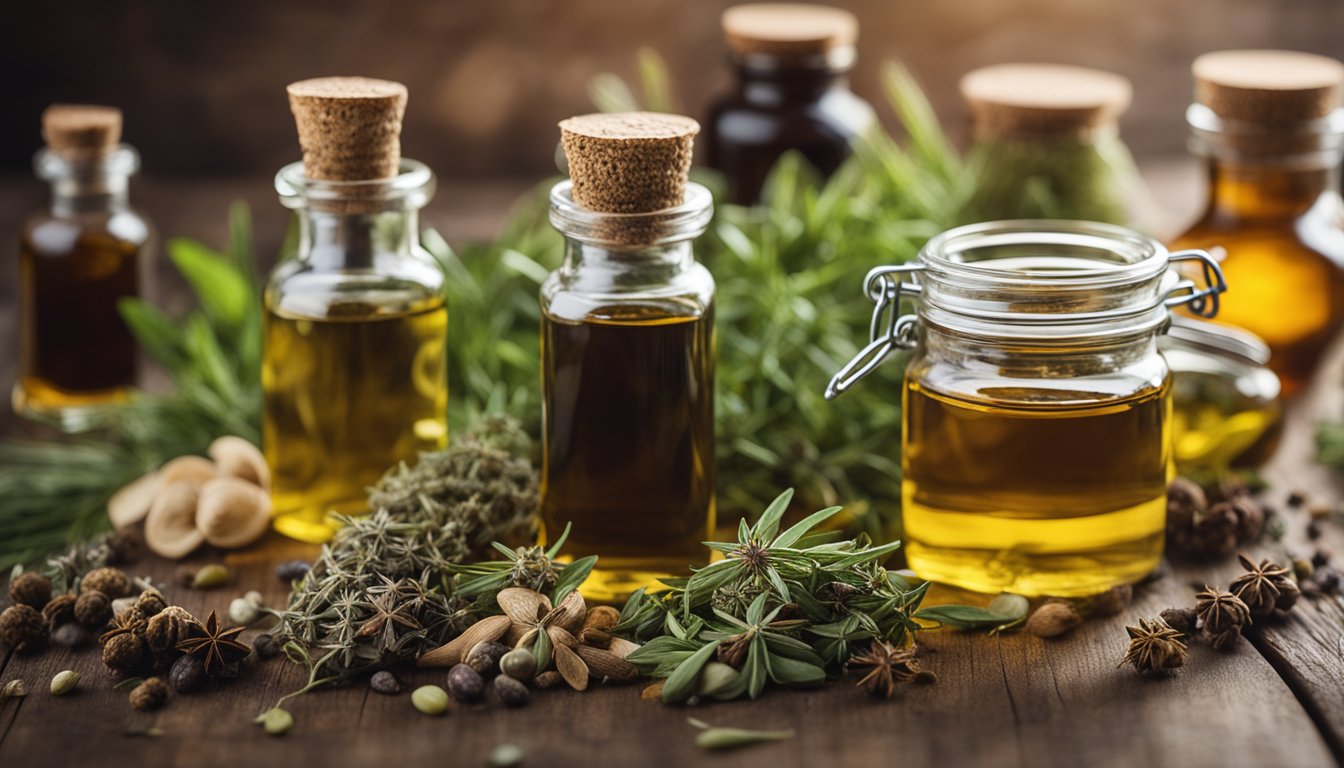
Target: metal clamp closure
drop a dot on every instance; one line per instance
(1202, 301)
(888, 331)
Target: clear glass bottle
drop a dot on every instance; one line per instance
(1273, 212)
(77, 260)
(627, 350)
(353, 370)
(1036, 446)
(791, 92)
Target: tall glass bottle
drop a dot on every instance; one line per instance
(627, 348)
(76, 261)
(1271, 129)
(353, 368)
(791, 92)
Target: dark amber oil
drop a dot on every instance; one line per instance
(1020, 491)
(76, 352)
(629, 441)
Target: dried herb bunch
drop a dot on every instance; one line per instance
(1210, 522)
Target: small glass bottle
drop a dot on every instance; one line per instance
(1047, 145)
(353, 366)
(1036, 445)
(1271, 129)
(76, 262)
(791, 93)
(627, 350)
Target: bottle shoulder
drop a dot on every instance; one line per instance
(305, 286)
(836, 114)
(1078, 378)
(577, 294)
(50, 233)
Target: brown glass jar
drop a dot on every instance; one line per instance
(1271, 129)
(791, 93)
(77, 261)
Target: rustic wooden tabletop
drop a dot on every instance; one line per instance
(1009, 700)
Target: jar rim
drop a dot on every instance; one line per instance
(412, 187)
(652, 228)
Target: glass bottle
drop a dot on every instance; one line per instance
(1270, 127)
(791, 64)
(1036, 446)
(77, 260)
(353, 370)
(627, 349)
(1047, 145)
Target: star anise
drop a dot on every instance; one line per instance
(1265, 587)
(1154, 647)
(888, 667)
(215, 646)
(389, 613)
(1220, 611)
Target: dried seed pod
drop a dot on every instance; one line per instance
(602, 617)
(605, 665)
(232, 513)
(489, 628)
(1220, 611)
(211, 576)
(123, 605)
(1226, 640)
(594, 637)
(93, 609)
(1250, 518)
(1262, 586)
(548, 679)
(150, 602)
(484, 657)
(266, 646)
(124, 652)
(385, 682)
(238, 457)
(523, 606)
(64, 682)
(30, 588)
(21, 627)
(151, 694)
(620, 647)
(187, 674)
(1053, 620)
(58, 611)
(466, 684)
(511, 692)
(1183, 620)
(110, 581)
(168, 628)
(1154, 647)
(570, 613)
(131, 503)
(519, 664)
(571, 667)
(170, 527)
(560, 636)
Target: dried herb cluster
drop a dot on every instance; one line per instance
(1211, 522)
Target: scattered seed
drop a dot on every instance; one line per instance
(430, 700)
(466, 684)
(243, 611)
(276, 721)
(292, 570)
(70, 635)
(64, 682)
(385, 682)
(211, 576)
(505, 756)
(519, 664)
(186, 674)
(266, 646)
(484, 657)
(511, 692)
(14, 689)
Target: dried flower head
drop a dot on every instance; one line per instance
(1154, 647)
(110, 581)
(93, 609)
(59, 610)
(21, 627)
(1263, 587)
(167, 628)
(150, 602)
(886, 667)
(30, 588)
(124, 652)
(1220, 611)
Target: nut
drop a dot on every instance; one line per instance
(484, 657)
(232, 512)
(30, 588)
(186, 674)
(110, 581)
(170, 527)
(237, 457)
(93, 609)
(129, 505)
(1053, 620)
(511, 692)
(430, 700)
(519, 664)
(466, 684)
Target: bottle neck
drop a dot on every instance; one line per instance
(625, 269)
(332, 240)
(773, 83)
(70, 197)
(1266, 191)
(82, 184)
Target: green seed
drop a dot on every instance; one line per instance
(276, 721)
(64, 682)
(430, 700)
(210, 577)
(519, 664)
(505, 756)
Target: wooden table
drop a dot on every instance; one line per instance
(1277, 700)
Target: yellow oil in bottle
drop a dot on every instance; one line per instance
(629, 442)
(1213, 430)
(1034, 495)
(353, 385)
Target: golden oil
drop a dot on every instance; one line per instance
(1034, 495)
(352, 386)
(629, 441)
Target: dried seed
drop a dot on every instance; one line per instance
(484, 657)
(511, 692)
(430, 700)
(243, 611)
(292, 570)
(14, 689)
(186, 674)
(266, 646)
(569, 615)
(561, 636)
(385, 682)
(505, 756)
(70, 635)
(1319, 510)
(716, 678)
(211, 576)
(489, 628)
(1053, 620)
(571, 667)
(620, 647)
(597, 638)
(276, 721)
(606, 665)
(652, 692)
(602, 617)
(523, 606)
(548, 679)
(64, 682)
(519, 664)
(466, 684)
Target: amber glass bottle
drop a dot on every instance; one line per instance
(791, 92)
(1270, 126)
(77, 260)
(627, 351)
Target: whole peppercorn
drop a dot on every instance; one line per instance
(93, 609)
(150, 602)
(292, 570)
(511, 692)
(60, 610)
(110, 581)
(21, 626)
(266, 646)
(124, 652)
(167, 628)
(30, 588)
(151, 694)
(186, 674)
(466, 684)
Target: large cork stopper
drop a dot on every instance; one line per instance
(349, 127)
(628, 162)
(81, 128)
(1271, 87)
(1026, 100)
(788, 29)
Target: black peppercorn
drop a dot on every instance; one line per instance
(292, 570)
(466, 684)
(385, 682)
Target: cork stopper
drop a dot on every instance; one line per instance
(349, 127)
(1025, 100)
(628, 162)
(1272, 87)
(81, 128)
(788, 29)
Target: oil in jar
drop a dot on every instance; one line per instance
(1033, 495)
(628, 436)
(350, 390)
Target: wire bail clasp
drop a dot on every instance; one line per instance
(1203, 301)
(888, 331)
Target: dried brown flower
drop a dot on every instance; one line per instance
(1154, 647)
(110, 581)
(123, 652)
(150, 602)
(1222, 615)
(21, 626)
(60, 610)
(93, 609)
(167, 628)
(1265, 587)
(130, 622)
(1211, 524)
(30, 588)
(216, 647)
(887, 666)
(1111, 602)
